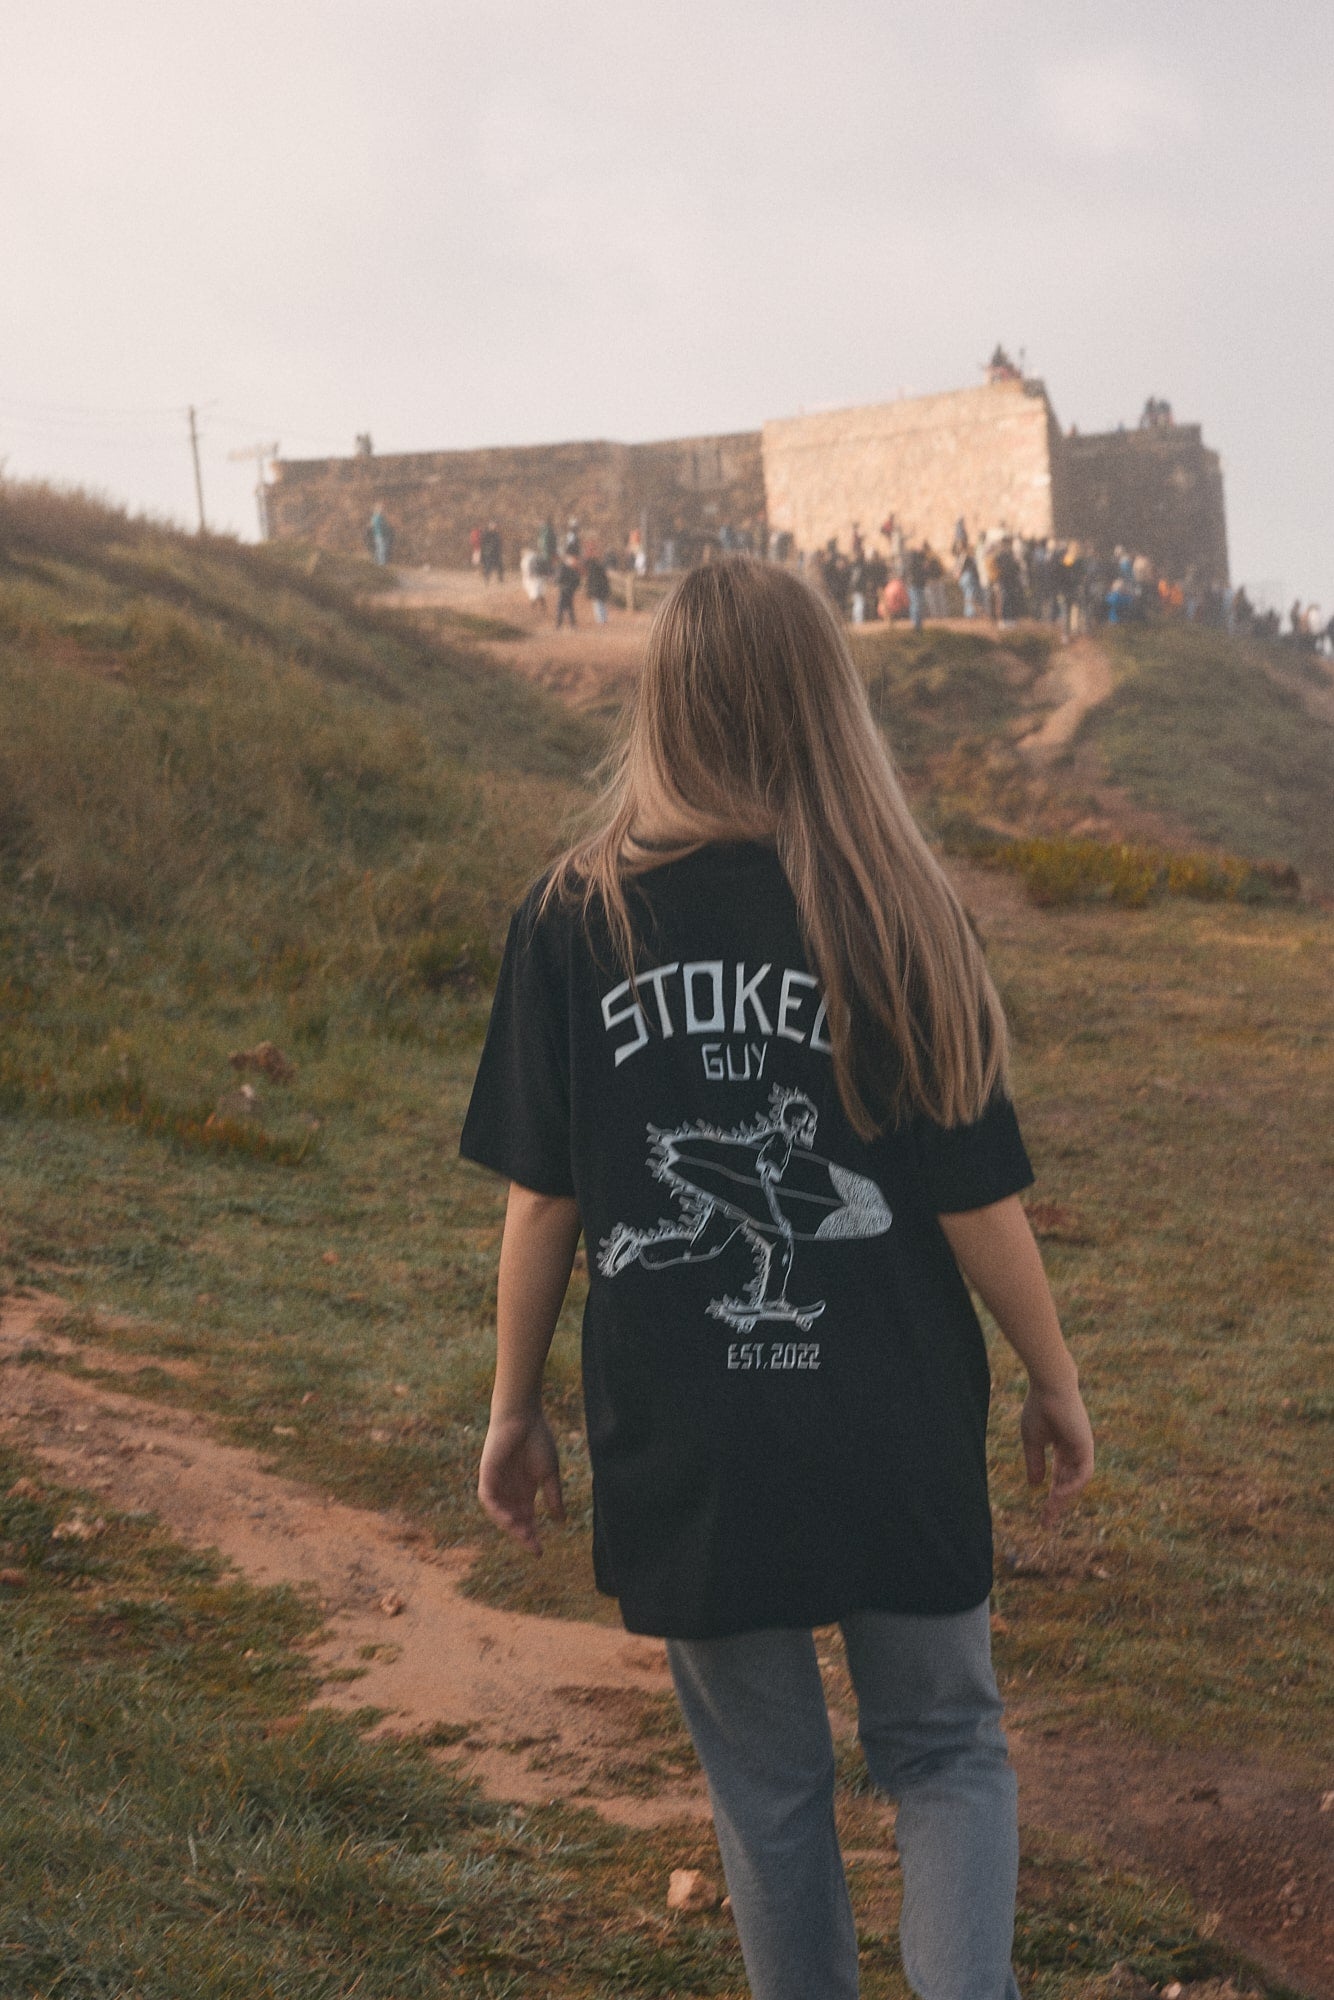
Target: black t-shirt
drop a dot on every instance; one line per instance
(785, 1380)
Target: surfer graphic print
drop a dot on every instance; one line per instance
(758, 1185)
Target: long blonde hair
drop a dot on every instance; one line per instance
(752, 723)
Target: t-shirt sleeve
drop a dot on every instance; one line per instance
(518, 1120)
(970, 1166)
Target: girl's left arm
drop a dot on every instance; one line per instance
(519, 1456)
(996, 1252)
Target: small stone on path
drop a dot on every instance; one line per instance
(690, 1892)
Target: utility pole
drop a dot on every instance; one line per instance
(199, 484)
(261, 453)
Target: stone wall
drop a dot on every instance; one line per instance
(1155, 492)
(689, 489)
(685, 489)
(993, 454)
(985, 453)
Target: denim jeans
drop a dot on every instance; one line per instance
(929, 1723)
(916, 605)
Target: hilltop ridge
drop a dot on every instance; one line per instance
(196, 724)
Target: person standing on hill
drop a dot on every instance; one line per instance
(380, 537)
(546, 545)
(970, 583)
(493, 554)
(914, 576)
(567, 583)
(533, 579)
(597, 586)
(857, 585)
(744, 1037)
(937, 601)
(1008, 583)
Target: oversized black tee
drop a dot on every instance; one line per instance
(785, 1380)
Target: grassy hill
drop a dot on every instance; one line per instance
(228, 782)
(1234, 738)
(239, 803)
(1205, 740)
(188, 722)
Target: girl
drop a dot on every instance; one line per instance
(744, 1037)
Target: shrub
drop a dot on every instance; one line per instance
(1057, 869)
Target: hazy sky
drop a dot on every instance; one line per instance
(503, 222)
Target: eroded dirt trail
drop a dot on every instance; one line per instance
(550, 1709)
(539, 1709)
(1085, 673)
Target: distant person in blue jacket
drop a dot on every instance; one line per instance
(380, 537)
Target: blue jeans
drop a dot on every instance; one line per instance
(916, 605)
(929, 1723)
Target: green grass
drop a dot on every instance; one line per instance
(222, 775)
(175, 1823)
(207, 738)
(1173, 1072)
(951, 703)
(1209, 731)
(1198, 729)
(450, 622)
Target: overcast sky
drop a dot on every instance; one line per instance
(504, 222)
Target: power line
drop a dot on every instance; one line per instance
(70, 423)
(95, 410)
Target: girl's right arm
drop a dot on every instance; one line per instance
(997, 1254)
(519, 1456)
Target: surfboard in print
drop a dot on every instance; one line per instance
(761, 1183)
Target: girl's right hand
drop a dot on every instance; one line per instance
(519, 1458)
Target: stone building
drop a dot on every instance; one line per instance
(986, 454)
(994, 455)
(684, 492)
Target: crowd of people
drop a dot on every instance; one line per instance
(1008, 577)
(570, 564)
(995, 575)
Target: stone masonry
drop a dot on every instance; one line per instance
(984, 453)
(994, 455)
(1158, 490)
(684, 491)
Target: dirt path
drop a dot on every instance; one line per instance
(1086, 673)
(545, 1709)
(1315, 695)
(591, 667)
(540, 1709)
